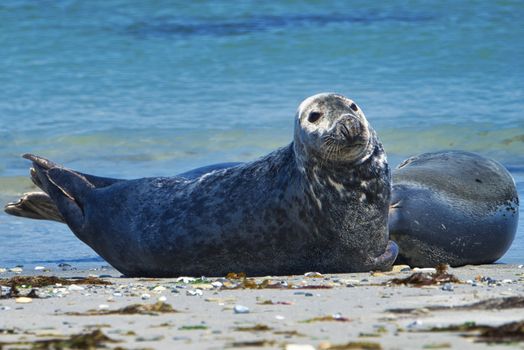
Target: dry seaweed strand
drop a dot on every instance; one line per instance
(241, 281)
(93, 340)
(255, 328)
(505, 333)
(133, 309)
(488, 304)
(328, 318)
(351, 346)
(42, 281)
(252, 343)
(419, 279)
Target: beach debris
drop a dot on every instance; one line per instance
(133, 309)
(299, 347)
(400, 268)
(221, 300)
(292, 333)
(256, 328)
(419, 279)
(150, 338)
(43, 281)
(40, 268)
(234, 280)
(93, 340)
(271, 302)
(335, 317)
(240, 309)
(194, 292)
(447, 287)
(463, 327)
(145, 296)
(280, 317)
(425, 269)
(216, 284)
(514, 302)
(415, 324)
(193, 327)
(162, 299)
(158, 289)
(236, 275)
(185, 279)
(313, 275)
(74, 287)
(437, 346)
(495, 304)
(350, 346)
(252, 343)
(23, 300)
(505, 333)
(2, 270)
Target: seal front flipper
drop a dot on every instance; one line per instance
(385, 261)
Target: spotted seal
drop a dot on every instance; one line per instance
(452, 207)
(319, 203)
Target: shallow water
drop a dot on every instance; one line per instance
(132, 89)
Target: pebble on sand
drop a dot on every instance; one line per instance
(240, 309)
(23, 300)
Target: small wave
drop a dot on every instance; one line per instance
(166, 26)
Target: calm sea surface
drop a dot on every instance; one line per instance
(145, 88)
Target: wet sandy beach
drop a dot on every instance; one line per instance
(311, 311)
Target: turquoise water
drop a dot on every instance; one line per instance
(145, 88)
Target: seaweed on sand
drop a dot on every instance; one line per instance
(419, 279)
(133, 309)
(94, 340)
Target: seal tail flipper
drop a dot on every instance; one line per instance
(35, 205)
(67, 189)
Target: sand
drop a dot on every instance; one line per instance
(296, 313)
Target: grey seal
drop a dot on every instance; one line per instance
(320, 203)
(452, 207)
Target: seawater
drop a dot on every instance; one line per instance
(152, 88)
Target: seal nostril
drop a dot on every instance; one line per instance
(354, 107)
(314, 116)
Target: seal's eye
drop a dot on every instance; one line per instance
(354, 107)
(314, 116)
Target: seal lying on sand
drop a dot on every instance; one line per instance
(320, 203)
(452, 207)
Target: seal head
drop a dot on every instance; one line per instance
(332, 127)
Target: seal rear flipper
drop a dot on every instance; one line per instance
(44, 163)
(35, 205)
(67, 189)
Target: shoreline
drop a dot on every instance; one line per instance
(312, 310)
